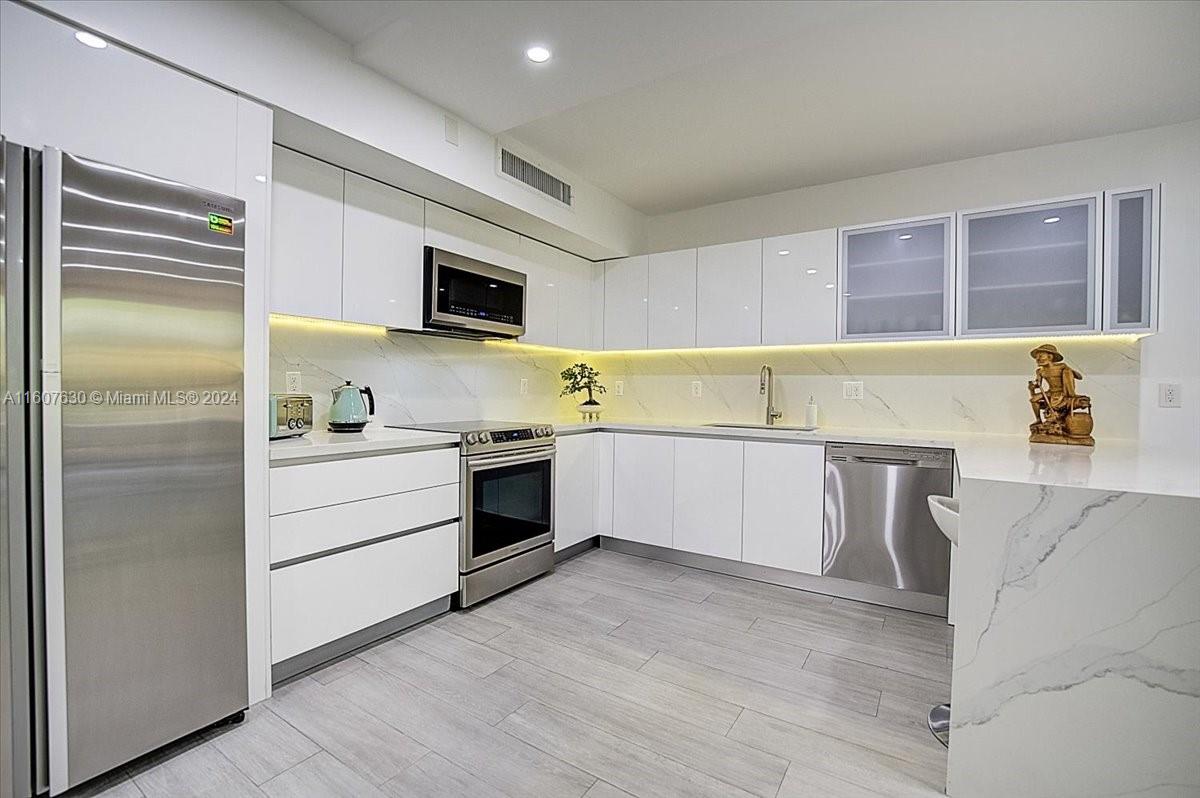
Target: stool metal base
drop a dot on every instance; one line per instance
(939, 723)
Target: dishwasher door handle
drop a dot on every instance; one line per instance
(886, 461)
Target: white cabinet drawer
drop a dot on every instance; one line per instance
(316, 602)
(324, 528)
(302, 487)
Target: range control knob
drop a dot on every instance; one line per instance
(544, 432)
(537, 432)
(484, 437)
(472, 438)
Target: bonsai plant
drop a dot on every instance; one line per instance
(582, 377)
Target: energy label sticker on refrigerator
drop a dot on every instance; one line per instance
(220, 224)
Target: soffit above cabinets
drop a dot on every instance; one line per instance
(676, 105)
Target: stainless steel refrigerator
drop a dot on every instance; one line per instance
(123, 467)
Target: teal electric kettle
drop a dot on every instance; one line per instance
(349, 412)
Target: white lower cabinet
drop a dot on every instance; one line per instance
(357, 542)
(643, 480)
(602, 495)
(574, 488)
(707, 497)
(783, 514)
(322, 600)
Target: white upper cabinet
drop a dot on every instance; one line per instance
(454, 231)
(896, 280)
(707, 516)
(643, 480)
(574, 283)
(783, 501)
(1030, 268)
(558, 297)
(1131, 260)
(541, 292)
(596, 297)
(672, 314)
(382, 264)
(626, 297)
(306, 236)
(799, 296)
(729, 294)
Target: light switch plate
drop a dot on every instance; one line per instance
(852, 390)
(697, 389)
(1170, 394)
(293, 382)
(524, 387)
(619, 387)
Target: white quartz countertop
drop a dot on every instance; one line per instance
(1114, 465)
(321, 444)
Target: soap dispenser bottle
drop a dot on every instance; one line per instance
(810, 413)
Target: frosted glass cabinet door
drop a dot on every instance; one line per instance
(1029, 269)
(896, 280)
(1131, 260)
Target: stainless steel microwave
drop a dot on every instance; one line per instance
(468, 297)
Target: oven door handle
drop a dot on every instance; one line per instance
(477, 462)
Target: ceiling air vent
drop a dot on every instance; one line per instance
(520, 169)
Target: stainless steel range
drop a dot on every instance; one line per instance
(506, 501)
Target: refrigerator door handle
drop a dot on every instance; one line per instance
(52, 486)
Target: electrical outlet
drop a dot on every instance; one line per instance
(619, 387)
(524, 387)
(697, 389)
(1170, 394)
(293, 382)
(852, 390)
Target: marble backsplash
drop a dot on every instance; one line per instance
(957, 386)
(970, 386)
(418, 378)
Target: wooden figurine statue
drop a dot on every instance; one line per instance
(1061, 415)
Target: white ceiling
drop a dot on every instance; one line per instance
(673, 105)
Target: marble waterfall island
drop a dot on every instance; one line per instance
(1077, 638)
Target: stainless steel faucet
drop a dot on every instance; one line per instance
(766, 385)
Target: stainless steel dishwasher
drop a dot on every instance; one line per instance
(877, 524)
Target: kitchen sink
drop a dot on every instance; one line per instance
(764, 426)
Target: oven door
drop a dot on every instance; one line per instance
(466, 295)
(508, 505)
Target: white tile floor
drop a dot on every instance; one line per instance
(613, 676)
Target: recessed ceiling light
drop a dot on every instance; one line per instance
(810, 271)
(1051, 219)
(785, 252)
(492, 285)
(261, 178)
(906, 236)
(829, 285)
(538, 54)
(90, 39)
